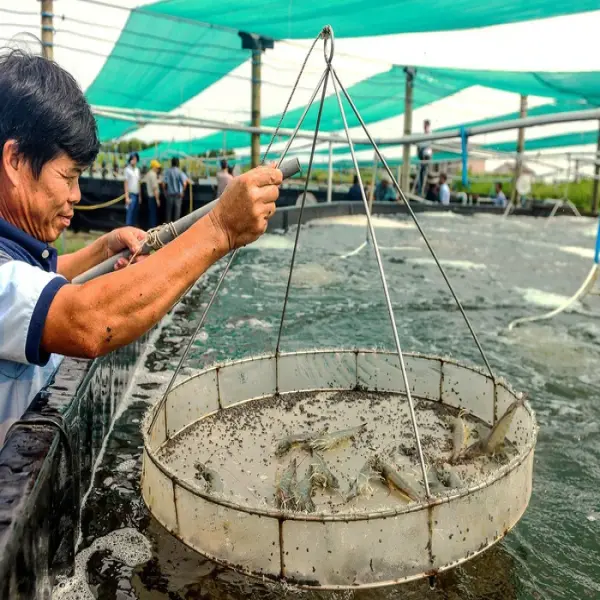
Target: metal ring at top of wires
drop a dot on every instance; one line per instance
(328, 43)
(289, 100)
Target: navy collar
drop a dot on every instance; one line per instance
(42, 253)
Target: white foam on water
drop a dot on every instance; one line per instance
(272, 242)
(465, 265)
(252, 323)
(544, 299)
(312, 274)
(126, 545)
(583, 252)
(399, 248)
(361, 221)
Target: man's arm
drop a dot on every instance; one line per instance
(111, 311)
(107, 245)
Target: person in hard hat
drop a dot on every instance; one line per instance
(48, 136)
(153, 193)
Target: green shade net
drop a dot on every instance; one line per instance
(353, 18)
(382, 96)
(159, 65)
(167, 54)
(377, 98)
(579, 138)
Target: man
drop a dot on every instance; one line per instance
(355, 193)
(47, 138)
(385, 192)
(132, 189)
(153, 193)
(425, 154)
(500, 199)
(444, 190)
(175, 182)
(224, 176)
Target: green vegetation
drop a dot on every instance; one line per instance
(75, 241)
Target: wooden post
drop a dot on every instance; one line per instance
(596, 176)
(256, 75)
(408, 101)
(520, 148)
(47, 10)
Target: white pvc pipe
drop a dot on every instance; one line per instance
(330, 174)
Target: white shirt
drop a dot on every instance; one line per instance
(445, 194)
(132, 177)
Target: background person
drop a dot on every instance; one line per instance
(499, 198)
(425, 154)
(175, 182)
(132, 188)
(444, 190)
(153, 193)
(354, 192)
(224, 176)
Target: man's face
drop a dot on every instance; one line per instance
(46, 204)
(426, 127)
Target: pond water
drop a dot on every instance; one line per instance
(501, 269)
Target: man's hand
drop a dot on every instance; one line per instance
(127, 200)
(124, 238)
(246, 205)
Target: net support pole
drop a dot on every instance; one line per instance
(596, 175)
(408, 103)
(256, 75)
(330, 174)
(520, 148)
(47, 11)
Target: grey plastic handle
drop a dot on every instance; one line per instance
(288, 167)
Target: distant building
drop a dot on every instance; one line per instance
(508, 168)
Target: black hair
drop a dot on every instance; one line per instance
(355, 180)
(223, 164)
(426, 123)
(443, 177)
(133, 155)
(44, 110)
(499, 184)
(174, 162)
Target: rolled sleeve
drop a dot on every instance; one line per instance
(26, 293)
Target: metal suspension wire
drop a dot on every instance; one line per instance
(385, 290)
(215, 292)
(416, 222)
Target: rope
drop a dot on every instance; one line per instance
(102, 205)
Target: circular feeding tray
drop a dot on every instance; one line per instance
(303, 466)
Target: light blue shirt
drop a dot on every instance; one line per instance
(445, 193)
(28, 284)
(500, 199)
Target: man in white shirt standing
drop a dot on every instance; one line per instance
(500, 199)
(132, 188)
(444, 190)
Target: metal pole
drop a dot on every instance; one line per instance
(373, 184)
(330, 174)
(256, 75)
(47, 10)
(596, 175)
(408, 101)
(520, 148)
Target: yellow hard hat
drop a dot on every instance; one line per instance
(154, 164)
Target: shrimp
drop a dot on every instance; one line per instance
(433, 478)
(396, 480)
(494, 441)
(331, 440)
(287, 443)
(303, 493)
(450, 477)
(285, 491)
(210, 477)
(321, 475)
(362, 483)
(460, 435)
